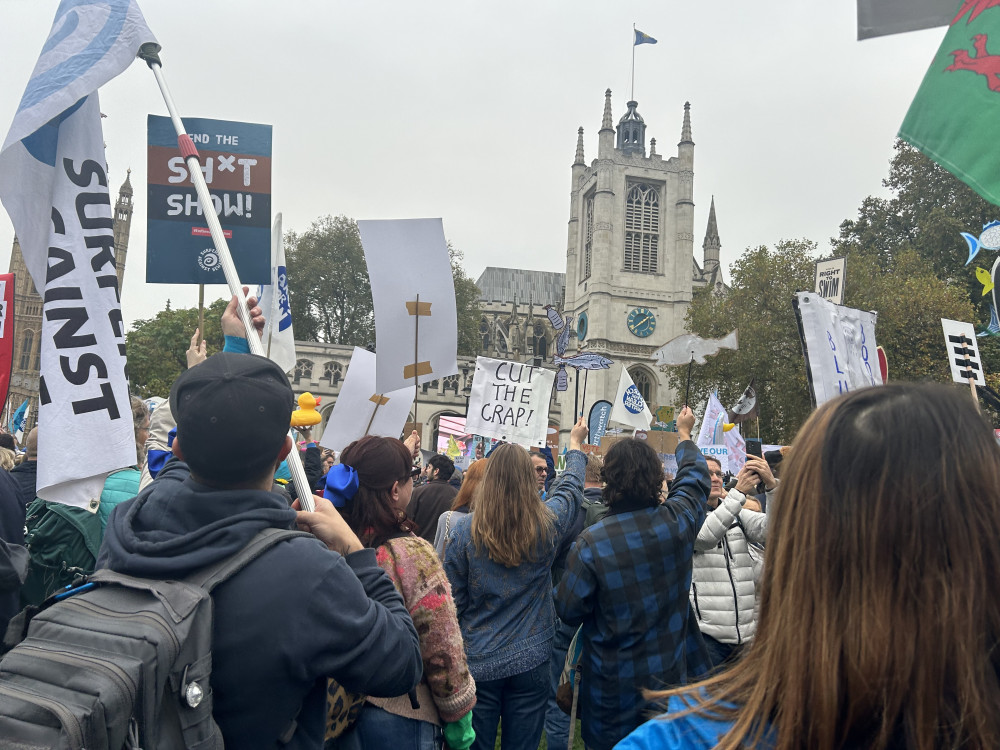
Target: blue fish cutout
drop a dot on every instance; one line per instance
(993, 329)
(989, 239)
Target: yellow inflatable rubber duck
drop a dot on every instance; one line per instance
(306, 415)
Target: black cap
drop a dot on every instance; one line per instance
(233, 412)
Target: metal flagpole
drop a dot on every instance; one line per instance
(632, 97)
(687, 391)
(586, 376)
(149, 52)
(416, 360)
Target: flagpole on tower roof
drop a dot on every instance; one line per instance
(150, 53)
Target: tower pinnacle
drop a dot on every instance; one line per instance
(686, 128)
(579, 148)
(712, 243)
(606, 123)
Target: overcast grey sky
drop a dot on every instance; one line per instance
(469, 110)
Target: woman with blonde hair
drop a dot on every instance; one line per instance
(878, 623)
(462, 504)
(499, 559)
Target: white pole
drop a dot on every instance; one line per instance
(150, 53)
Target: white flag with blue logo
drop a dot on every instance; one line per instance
(18, 420)
(630, 407)
(54, 185)
(279, 340)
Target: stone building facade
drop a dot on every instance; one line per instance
(28, 309)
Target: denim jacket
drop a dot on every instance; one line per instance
(507, 615)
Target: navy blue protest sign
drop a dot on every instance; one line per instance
(236, 161)
(597, 421)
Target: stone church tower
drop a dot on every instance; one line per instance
(630, 267)
(28, 308)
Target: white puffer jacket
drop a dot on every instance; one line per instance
(722, 585)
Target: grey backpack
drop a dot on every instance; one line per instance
(118, 662)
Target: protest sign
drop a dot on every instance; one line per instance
(839, 346)
(359, 411)
(416, 325)
(510, 401)
(658, 440)
(664, 419)
(830, 275)
(236, 162)
(719, 452)
(6, 332)
(963, 352)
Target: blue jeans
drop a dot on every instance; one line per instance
(519, 701)
(556, 720)
(378, 728)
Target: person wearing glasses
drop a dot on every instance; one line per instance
(371, 488)
(723, 592)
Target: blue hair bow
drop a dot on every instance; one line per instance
(341, 484)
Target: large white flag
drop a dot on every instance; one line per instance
(713, 432)
(630, 407)
(279, 341)
(54, 185)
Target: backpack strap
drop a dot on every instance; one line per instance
(211, 576)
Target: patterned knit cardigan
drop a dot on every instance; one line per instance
(417, 573)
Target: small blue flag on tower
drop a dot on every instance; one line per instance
(641, 38)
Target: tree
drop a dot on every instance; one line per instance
(330, 294)
(759, 304)
(155, 347)
(328, 289)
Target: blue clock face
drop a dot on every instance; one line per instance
(641, 322)
(581, 326)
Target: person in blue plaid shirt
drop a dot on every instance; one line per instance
(627, 580)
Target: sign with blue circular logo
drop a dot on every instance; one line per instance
(632, 400)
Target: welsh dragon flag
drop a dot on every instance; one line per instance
(953, 118)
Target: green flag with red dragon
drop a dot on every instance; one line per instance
(953, 118)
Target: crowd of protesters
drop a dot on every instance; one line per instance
(842, 605)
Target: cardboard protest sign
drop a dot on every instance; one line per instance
(839, 346)
(659, 441)
(359, 406)
(236, 161)
(510, 401)
(416, 325)
(963, 352)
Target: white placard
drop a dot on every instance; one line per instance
(963, 351)
(719, 452)
(830, 276)
(839, 346)
(356, 406)
(510, 402)
(411, 280)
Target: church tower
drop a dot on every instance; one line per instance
(630, 266)
(26, 366)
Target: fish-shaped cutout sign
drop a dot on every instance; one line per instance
(585, 361)
(993, 329)
(687, 346)
(563, 326)
(988, 240)
(983, 276)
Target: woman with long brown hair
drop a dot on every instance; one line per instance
(879, 627)
(462, 504)
(371, 487)
(499, 560)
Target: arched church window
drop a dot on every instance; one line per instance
(644, 382)
(451, 384)
(588, 242)
(303, 369)
(332, 373)
(26, 344)
(642, 229)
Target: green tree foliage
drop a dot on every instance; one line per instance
(328, 289)
(928, 211)
(330, 294)
(466, 304)
(759, 304)
(156, 347)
